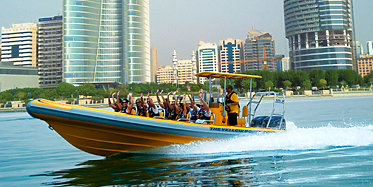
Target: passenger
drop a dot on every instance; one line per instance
(173, 107)
(115, 107)
(205, 112)
(231, 105)
(159, 101)
(166, 104)
(201, 113)
(182, 114)
(193, 112)
(152, 109)
(126, 105)
(140, 105)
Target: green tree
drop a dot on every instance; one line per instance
(21, 95)
(287, 84)
(65, 90)
(343, 83)
(87, 89)
(268, 84)
(306, 84)
(245, 84)
(323, 82)
(315, 76)
(331, 76)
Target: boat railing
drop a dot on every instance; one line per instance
(278, 98)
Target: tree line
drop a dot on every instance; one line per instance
(294, 80)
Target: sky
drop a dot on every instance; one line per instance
(180, 24)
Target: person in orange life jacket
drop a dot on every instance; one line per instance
(125, 105)
(115, 107)
(152, 109)
(231, 104)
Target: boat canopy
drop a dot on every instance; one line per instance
(209, 74)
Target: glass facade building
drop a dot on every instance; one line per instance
(230, 55)
(320, 34)
(259, 51)
(207, 56)
(106, 41)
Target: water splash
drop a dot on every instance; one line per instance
(293, 139)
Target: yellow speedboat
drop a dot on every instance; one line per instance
(105, 133)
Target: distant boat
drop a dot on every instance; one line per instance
(104, 133)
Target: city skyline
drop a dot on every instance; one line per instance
(171, 21)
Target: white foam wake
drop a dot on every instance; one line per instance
(293, 139)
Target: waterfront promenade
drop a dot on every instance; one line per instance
(292, 96)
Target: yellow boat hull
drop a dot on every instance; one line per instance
(105, 133)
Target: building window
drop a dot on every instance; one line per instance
(15, 51)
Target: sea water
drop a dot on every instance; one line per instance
(328, 142)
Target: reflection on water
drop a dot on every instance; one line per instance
(164, 170)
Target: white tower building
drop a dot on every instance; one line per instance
(370, 47)
(174, 62)
(194, 67)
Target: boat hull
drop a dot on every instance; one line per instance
(105, 133)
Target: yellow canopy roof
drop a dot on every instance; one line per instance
(209, 74)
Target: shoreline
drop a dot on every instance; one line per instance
(343, 94)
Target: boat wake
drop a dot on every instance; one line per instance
(292, 140)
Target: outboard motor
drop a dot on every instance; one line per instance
(262, 121)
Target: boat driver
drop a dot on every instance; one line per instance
(232, 106)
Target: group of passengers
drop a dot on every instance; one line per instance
(176, 108)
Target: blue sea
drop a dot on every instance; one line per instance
(329, 142)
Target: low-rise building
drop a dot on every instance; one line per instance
(12, 77)
(364, 64)
(165, 74)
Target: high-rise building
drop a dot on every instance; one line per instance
(19, 44)
(359, 49)
(230, 55)
(165, 74)
(207, 58)
(50, 51)
(154, 62)
(174, 66)
(365, 64)
(259, 51)
(285, 63)
(370, 47)
(106, 41)
(279, 62)
(320, 34)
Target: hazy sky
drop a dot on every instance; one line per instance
(180, 24)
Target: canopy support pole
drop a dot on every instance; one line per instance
(210, 91)
(251, 91)
(225, 89)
